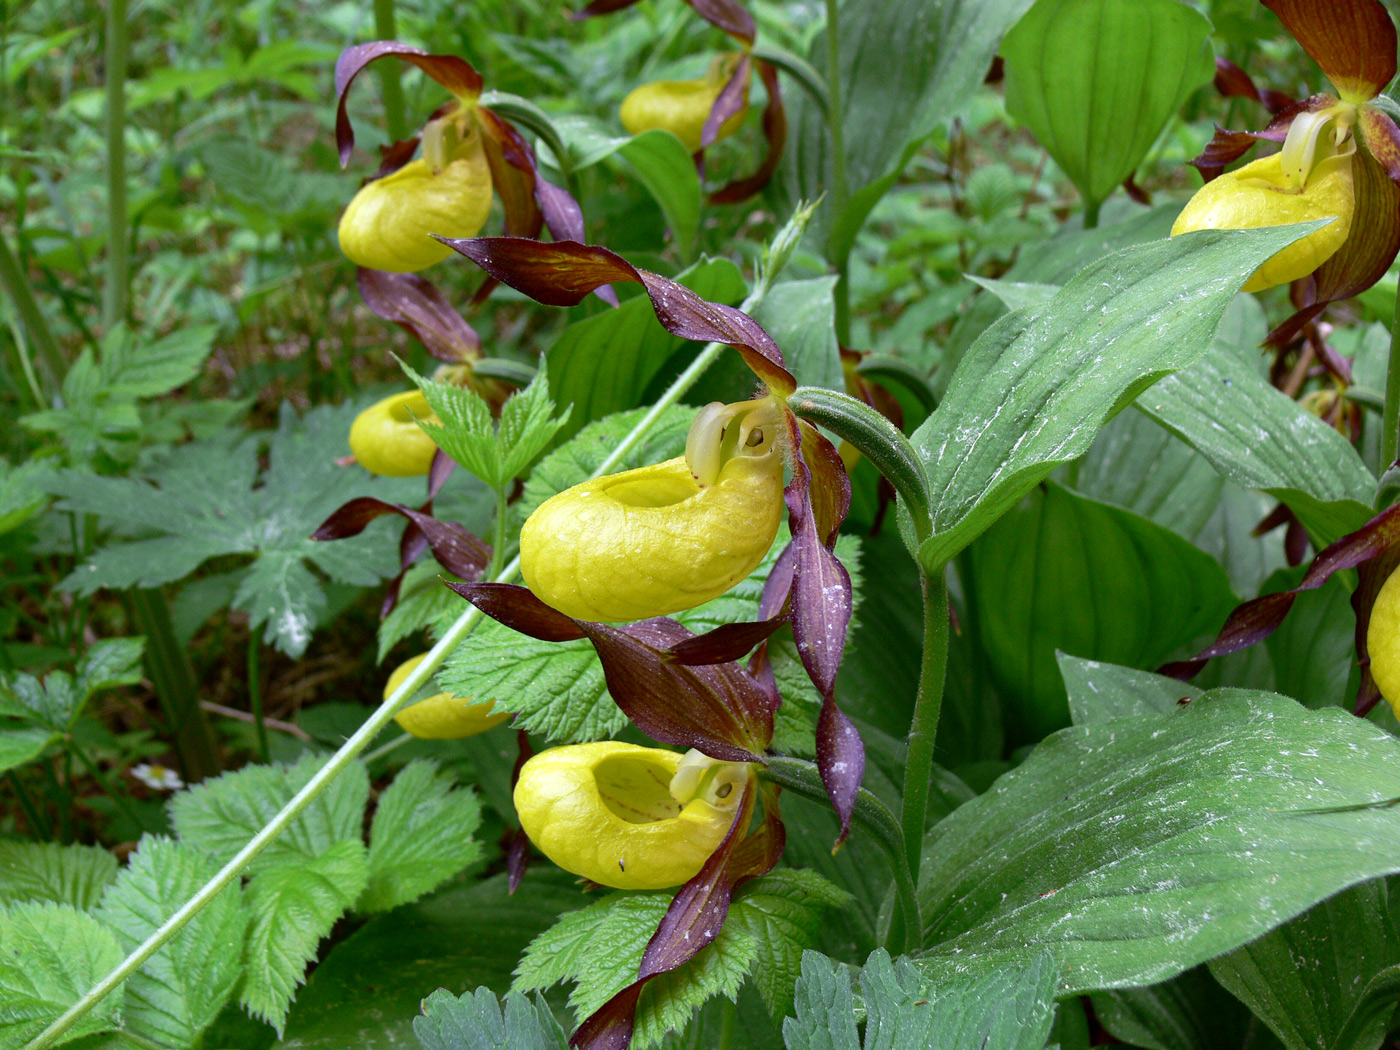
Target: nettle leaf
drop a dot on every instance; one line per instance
(293, 906)
(181, 989)
(1134, 849)
(1062, 572)
(1099, 118)
(1011, 1009)
(46, 871)
(219, 816)
(468, 434)
(207, 499)
(475, 1021)
(1100, 692)
(50, 955)
(601, 946)
(1038, 384)
(421, 836)
(1327, 979)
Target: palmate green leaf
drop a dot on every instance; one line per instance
(21, 745)
(603, 364)
(366, 992)
(1061, 572)
(293, 905)
(50, 955)
(1137, 848)
(1097, 80)
(207, 499)
(1038, 385)
(46, 871)
(180, 990)
(1328, 980)
(220, 815)
(1011, 1009)
(1190, 1012)
(475, 1021)
(1100, 692)
(421, 836)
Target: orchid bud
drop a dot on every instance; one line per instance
(386, 438)
(629, 817)
(1383, 641)
(444, 716)
(682, 106)
(1309, 179)
(666, 537)
(389, 223)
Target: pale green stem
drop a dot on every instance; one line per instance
(114, 290)
(30, 316)
(390, 87)
(427, 667)
(928, 706)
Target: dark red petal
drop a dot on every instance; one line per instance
(830, 485)
(1374, 239)
(1257, 619)
(439, 471)
(778, 585)
(602, 7)
(518, 849)
(731, 99)
(1382, 139)
(520, 610)
(456, 549)
(774, 131)
(453, 73)
(415, 305)
(1352, 40)
(512, 174)
(729, 16)
(726, 643)
(561, 213)
(1136, 192)
(1232, 81)
(841, 762)
(395, 156)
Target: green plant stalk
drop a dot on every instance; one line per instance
(118, 279)
(390, 87)
(460, 629)
(802, 778)
(51, 361)
(840, 189)
(122, 802)
(1091, 214)
(1390, 418)
(26, 365)
(928, 705)
(255, 697)
(31, 814)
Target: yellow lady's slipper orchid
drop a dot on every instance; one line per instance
(387, 439)
(630, 817)
(1309, 179)
(682, 106)
(1383, 641)
(666, 537)
(444, 716)
(388, 224)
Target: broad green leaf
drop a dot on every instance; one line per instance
(1017, 294)
(18, 746)
(421, 835)
(475, 1021)
(1329, 978)
(1012, 1009)
(1062, 572)
(664, 166)
(1190, 1012)
(219, 816)
(1137, 848)
(46, 871)
(365, 994)
(293, 905)
(603, 364)
(1100, 692)
(1036, 387)
(1097, 80)
(801, 318)
(50, 955)
(180, 990)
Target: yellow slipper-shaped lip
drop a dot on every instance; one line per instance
(680, 107)
(444, 716)
(386, 438)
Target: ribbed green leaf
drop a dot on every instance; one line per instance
(1190, 1012)
(46, 871)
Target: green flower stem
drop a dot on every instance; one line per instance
(1390, 419)
(800, 70)
(118, 280)
(802, 778)
(255, 697)
(41, 829)
(390, 87)
(41, 337)
(928, 705)
(840, 189)
(1091, 214)
(427, 667)
(122, 801)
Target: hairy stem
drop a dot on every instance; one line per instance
(390, 87)
(255, 696)
(928, 705)
(1390, 419)
(118, 280)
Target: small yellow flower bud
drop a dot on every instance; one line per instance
(388, 224)
(634, 818)
(387, 439)
(681, 107)
(444, 716)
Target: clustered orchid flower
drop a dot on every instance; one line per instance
(1340, 160)
(701, 112)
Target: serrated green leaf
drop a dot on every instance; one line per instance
(50, 955)
(1038, 385)
(110, 663)
(1328, 979)
(18, 746)
(133, 368)
(293, 906)
(1100, 691)
(46, 871)
(424, 603)
(421, 836)
(1097, 80)
(474, 1021)
(181, 989)
(220, 815)
(1178, 824)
